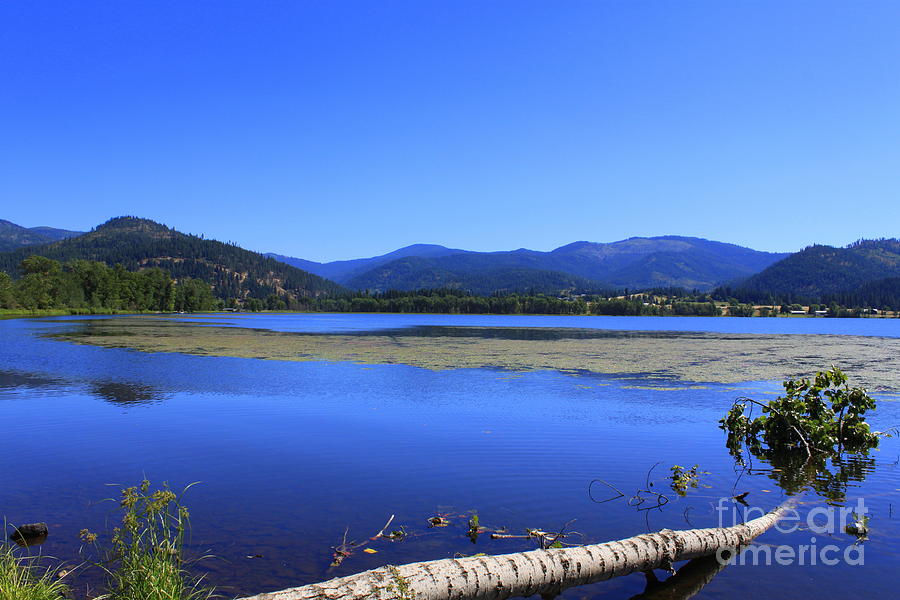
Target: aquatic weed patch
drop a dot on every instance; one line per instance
(703, 357)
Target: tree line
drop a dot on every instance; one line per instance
(461, 302)
(90, 285)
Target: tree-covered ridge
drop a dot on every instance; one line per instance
(137, 244)
(824, 273)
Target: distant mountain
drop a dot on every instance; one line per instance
(415, 272)
(140, 243)
(820, 272)
(54, 234)
(344, 270)
(636, 263)
(14, 236)
(663, 261)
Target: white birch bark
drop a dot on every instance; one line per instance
(529, 573)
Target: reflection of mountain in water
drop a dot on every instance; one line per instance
(116, 392)
(127, 393)
(16, 379)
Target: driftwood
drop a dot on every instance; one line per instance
(544, 572)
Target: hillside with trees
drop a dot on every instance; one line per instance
(139, 244)
(863, 270)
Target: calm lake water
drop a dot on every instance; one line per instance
(291, 453)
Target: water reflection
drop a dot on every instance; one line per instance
(15, 379)
(125, 393)
(686, 583)
(829, 475)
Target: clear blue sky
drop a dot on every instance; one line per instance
(332, 129)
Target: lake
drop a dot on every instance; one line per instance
(291, 453)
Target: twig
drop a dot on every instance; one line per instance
(607, 484)
(346, 549)
(381, 533)
(558, 535)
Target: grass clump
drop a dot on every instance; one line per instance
(21, 579)
(146, 558)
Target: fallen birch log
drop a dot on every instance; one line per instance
(545, 572)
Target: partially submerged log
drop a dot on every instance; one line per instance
(545, 572)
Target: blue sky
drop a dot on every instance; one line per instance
(331, 130)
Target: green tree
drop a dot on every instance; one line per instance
(192, 295)
(7, 298)
(40, 265)
(33, 292)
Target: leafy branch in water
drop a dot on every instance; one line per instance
(814, 423)
(822, 416)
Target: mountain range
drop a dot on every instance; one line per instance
(14, 236)
(864, 273)
(666, 261)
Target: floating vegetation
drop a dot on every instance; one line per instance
(698, 357)
(662, 388)
(683, 479)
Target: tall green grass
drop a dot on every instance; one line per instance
(146, 559)
(24, 579)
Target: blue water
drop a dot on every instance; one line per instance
(291, 453)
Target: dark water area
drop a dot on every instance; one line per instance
(289, 454)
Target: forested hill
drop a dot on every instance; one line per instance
(14, 236)
(822, 273)
(140, 243)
